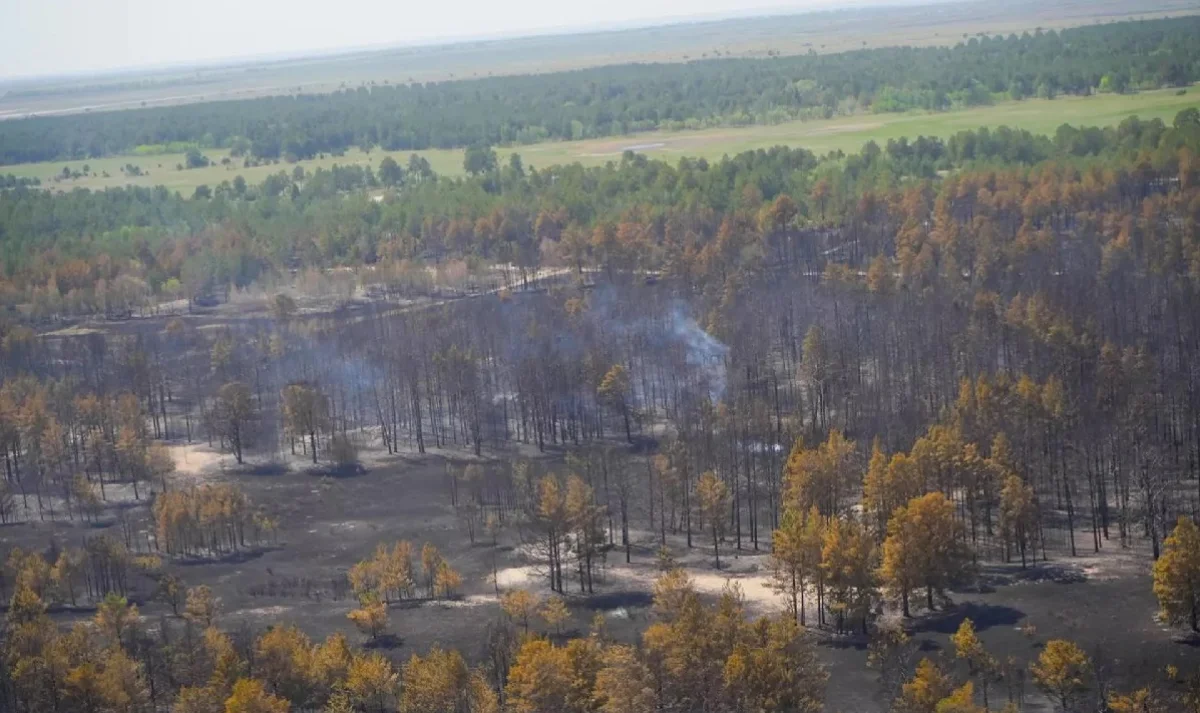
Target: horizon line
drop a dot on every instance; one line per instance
(232, 61)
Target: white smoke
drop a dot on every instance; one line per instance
(704, 352)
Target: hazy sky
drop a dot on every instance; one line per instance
(40, 37)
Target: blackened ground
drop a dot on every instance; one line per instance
(327, 523)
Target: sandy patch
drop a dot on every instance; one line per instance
(474, 600)
(756, 588)
(1110, 563)
(272, 612)
(748, 573)
(194, 460)
(73, 331)
(518, 578)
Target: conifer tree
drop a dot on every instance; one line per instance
(1177, 575)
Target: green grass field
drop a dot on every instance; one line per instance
(844, 133)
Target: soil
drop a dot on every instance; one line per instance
(1103, 602)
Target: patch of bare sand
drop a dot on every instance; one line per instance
(749, 574)
(1110, 563)
(519, 578)
(77, 330)
(473, 600)
(274, 612)
(194, 460)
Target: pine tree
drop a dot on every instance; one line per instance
(796, 557)
(848, 562)
(371, 617)
(624, 684)
(1142, 700)
(250, 696)
(960, 700)
(714, 504)
(924, 548)
(876, 504)
(520, 605)
(921, 694)
(1061, 671)
(555, 612)
(824, 476)
(540, 680)
(1018, 517)
(441, 682)
(1177, 575)
(201, 605)
(968, 647)
(372, 682)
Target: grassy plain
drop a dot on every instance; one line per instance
(843, 133)
(940, 22)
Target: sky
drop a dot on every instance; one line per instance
(49, 37)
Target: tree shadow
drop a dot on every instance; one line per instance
(630, 599)
(984, 616)
(562, 638)
(1190, 639)
(339, 470)
(857, 641)
(268, 470)
(384, 642)
(118, 505)
(238, 557)
(417, 602)
(1004, 575)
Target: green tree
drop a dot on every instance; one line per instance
(478, 160)
(390, 172)
(194, 159)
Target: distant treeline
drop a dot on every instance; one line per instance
(615, 100)
(11, 181)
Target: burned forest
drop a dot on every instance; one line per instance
(912, 429)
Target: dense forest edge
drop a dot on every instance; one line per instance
(108, 252)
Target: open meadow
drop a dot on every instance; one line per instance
(847, 134)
